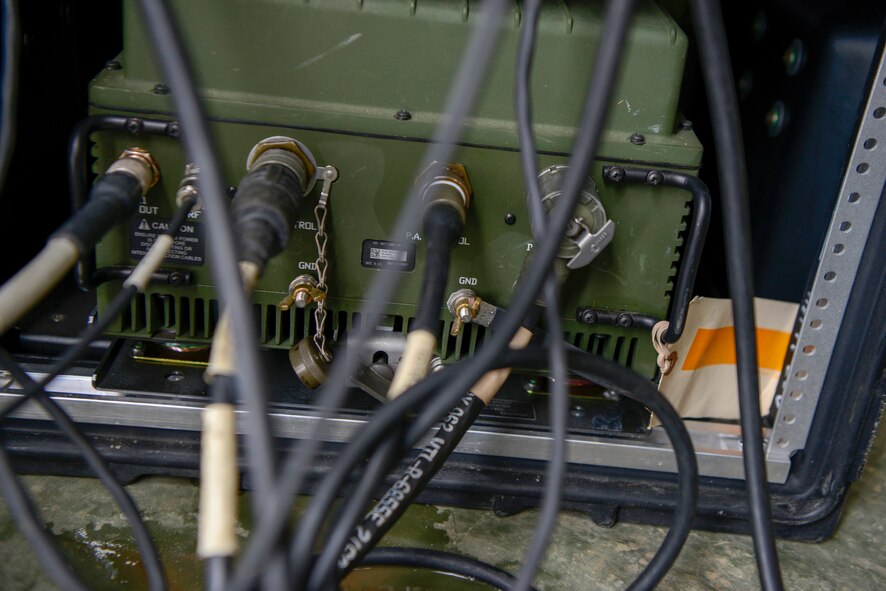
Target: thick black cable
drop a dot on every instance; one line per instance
(608, 374)
(143, 540)
(78, 145)
(96, 329)
(25, 516)
(732, 170)
(461, 98)
(9, 91)
(443, 562)
(613, 376)
(441, 230)
(323, 568)
(606, 67)
(170, 54)
(363, 537)
(78, 169)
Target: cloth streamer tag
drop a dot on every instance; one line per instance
(702, 381)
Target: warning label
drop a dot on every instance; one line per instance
(188, 248)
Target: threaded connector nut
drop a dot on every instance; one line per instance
(447, 184)
(188, 187)
(138, 163)
(281, 142)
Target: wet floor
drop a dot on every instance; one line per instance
(582, 556)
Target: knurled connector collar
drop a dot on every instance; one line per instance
(447, 184)
(138, 163)
(282, 142)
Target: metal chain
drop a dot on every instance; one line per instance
(328, 175)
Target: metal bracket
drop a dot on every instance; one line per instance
(821, 316)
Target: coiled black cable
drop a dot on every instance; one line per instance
(443, 562)
(362, 538)
(609, 375)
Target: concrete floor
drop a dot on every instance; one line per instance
(582, 556)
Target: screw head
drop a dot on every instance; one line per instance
(176, 278)
(173, 129)
(638, 139)
(134, 125)
(775, 119)
(794, 57)
(588, 317)
(113, 65)
(654, 177)
(175, 376)
(160, 88)
(624, 320)
(510, 219)
(464, 314)
(616, 174)
(686, 125)
(402, 115)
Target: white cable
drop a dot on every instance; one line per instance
(420, 345)
(30, 285)
(491, 382)
(140, 277)
(222, 356)
(219, 482)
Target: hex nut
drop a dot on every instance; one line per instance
(285, 143)
(453, 173)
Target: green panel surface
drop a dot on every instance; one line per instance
(341, 104)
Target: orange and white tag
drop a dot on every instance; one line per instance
(702, 380)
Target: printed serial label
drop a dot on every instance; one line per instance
(187, 249)
(382, 254)
(511, 409)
